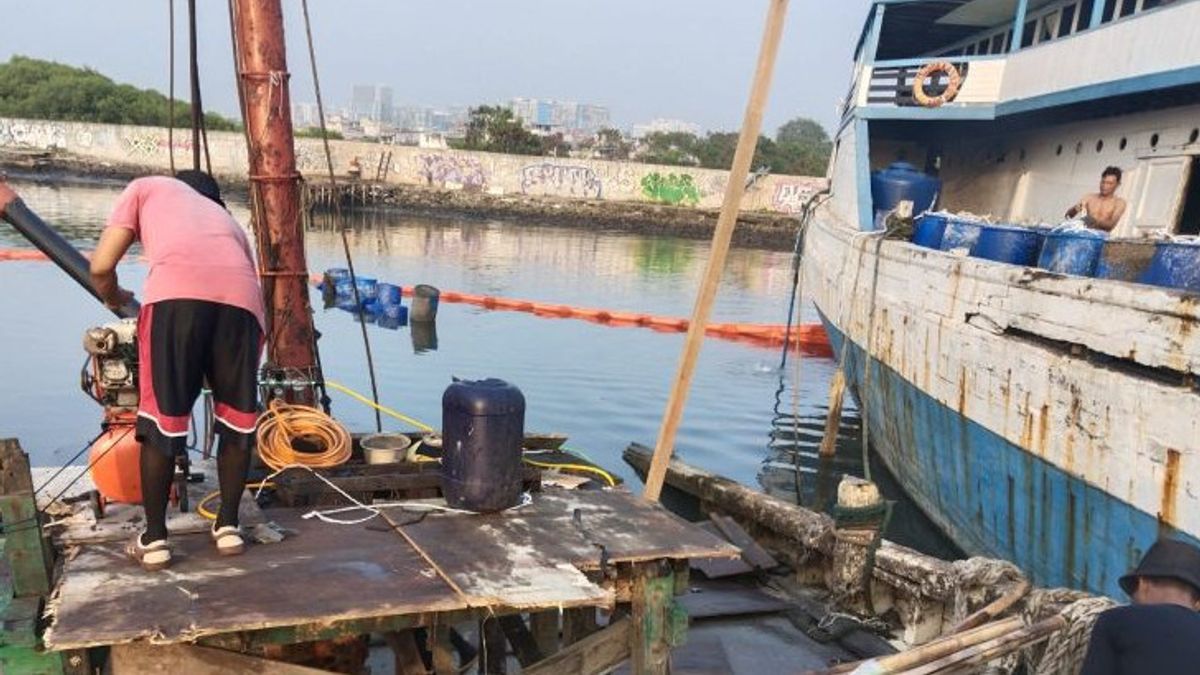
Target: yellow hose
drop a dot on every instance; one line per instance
(284, 423)
(202, 507)
(574, 467)
(383, 409)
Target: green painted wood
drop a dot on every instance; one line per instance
(27, 553)
(30, 661)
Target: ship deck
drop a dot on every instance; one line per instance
(386, 574)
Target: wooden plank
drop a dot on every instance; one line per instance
(628, 528)
(718, 599)
(102, 596)
(719, 568)
(443, 652)
(578, 624)
(649, 646)
(524, 645)
(19, 621)
(406, 653)
(26, 551)
(544, 626)
(145, 659)
(493, 647)
(752, 552)
(597, 653)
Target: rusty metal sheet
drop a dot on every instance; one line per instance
(326, 573)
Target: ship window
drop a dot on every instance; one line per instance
(1027, 34)
(983, 46)
(1085, 14)
(1067, 22)
(998, 44)
(1099, 145)
(1124, 142)
(970, 50)
(1079, 147)
(1059, 150)
(1194, 136)
(1049, 25)
(1154, 141)
(1150, 4)
(1110, 7)
(1128, 7)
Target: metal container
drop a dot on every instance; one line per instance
(424, 303)
(483, 427)
(384, 448)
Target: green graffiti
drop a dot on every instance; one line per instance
(674, 188)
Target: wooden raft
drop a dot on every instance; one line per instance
(523, 559)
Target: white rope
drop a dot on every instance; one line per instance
(375, 510)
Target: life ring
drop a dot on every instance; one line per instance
(924, 76)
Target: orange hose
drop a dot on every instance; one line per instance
(285, 423)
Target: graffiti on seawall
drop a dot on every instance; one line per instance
(441, 170)
(20, 133)
(790, 197)
(673, 188)
(560, 180)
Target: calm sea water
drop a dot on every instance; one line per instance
(605, 387)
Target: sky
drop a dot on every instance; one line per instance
(644, 59)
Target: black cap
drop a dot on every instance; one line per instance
(1167, 558)
(203, 183)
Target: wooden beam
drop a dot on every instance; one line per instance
(28, 554)
(597, 653)
(545, 630)
(524, 645)
(493, 646)
(406, 652)
(658, 623)
(442, 649)
(578, 623)
(140, 658)
(735, 188)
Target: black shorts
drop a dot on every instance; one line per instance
(182, 343)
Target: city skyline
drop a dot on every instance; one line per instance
(684, 59)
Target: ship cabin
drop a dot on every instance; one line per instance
(1049, 94)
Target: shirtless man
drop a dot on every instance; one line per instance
(1103, 210)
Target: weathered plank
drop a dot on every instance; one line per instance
(597, 653)
(718, 568)
(752, 553)
(102, 596)
(145, 659)
(26, 551)
(717, 599)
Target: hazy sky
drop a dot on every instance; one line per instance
(685, 59)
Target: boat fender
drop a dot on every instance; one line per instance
(925, 76)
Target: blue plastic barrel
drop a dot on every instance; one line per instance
(1125, 260)
(929, 229)
(1176, 264)
(366, 287)
(388, 294)
(961, 233)
(1008, 244)
(1072, 251)
(397, 313)
(337, 273)
(903, 182)
(344, 288)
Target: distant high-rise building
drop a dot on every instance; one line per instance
(373, 101)
(305, 115)
(551, 116)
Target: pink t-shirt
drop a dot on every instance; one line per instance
(197, 251)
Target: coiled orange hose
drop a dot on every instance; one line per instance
(285, 423)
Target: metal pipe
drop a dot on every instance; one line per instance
(59, 250)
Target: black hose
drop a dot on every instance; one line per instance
(59, 250)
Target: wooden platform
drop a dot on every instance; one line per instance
(529, 558)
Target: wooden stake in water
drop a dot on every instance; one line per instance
(837, 391)
(751, 126)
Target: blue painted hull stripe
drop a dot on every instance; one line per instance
(994, 498)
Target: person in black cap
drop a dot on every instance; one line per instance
(1160, 631)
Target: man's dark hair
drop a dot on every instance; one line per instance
(1113, 171)
(203, 183)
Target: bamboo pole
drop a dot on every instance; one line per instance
(995, 608)
(837, 391)
(935, 649)
(747, 142)
(993, 649)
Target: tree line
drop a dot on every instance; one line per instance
(800, 147)
(37, 89)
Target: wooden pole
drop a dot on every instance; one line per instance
(837, 392)
(751, 126)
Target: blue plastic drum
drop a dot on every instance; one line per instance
(961, 233)
(929, 229)
(1072, 252)
(1176, 264)
(1125, 260)
(366, 287)
(1008, 244)
(388, 294)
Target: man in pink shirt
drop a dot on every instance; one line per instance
(201, 319)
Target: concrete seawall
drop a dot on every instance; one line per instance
(479, 172)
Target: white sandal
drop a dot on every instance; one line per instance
(152, 557)
(228, 540)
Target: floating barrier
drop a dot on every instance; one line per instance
(811, 338)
